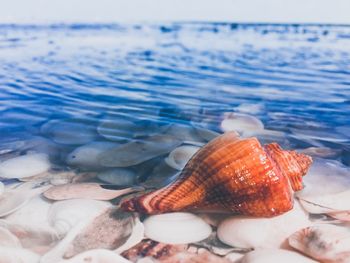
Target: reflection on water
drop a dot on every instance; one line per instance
(107, 103)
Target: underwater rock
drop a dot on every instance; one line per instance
(25, 166)
(185, 133)
(86, 156)
(274, 255)
(321, 152)
(176, 228)
(70, 131)
(63, 215)
(213, 180)
(250, 232)
(250, 108)
(206, 134)
(97, 256)
(85, 191)
(118, 176)
(180, 156)
(319, 135)
(326, 243)
(109, 230)
(240, 123)
(136, 152)
(161, 175)
(119, 128)
(17, 255)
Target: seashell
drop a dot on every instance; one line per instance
(153, 250)
(340, 215)
(176, 228)
(326, 243)
(249, 232)
(109, 230)
(7, 239)
(240, 122)
(70, 131)
(86, 156)
(180, 156)
(25, 166)
(136, 152)
(85, 191)
(118, 176)
(60, 178)
(18, 255)
(274, 255)
(63, 215)
(233, 175)
(97, 256)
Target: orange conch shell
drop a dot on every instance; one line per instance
(233, 175)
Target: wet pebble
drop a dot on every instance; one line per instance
(240, 122)
(179, 157)
(85, 191)
(109, 230)
(118, 176)
(139, 151)
(250, 232)
(18, 255)
(7, 239)
(176, 228)
(70, 131)
(25, 166)
(63, 215)
(274, 256)
(86, 156)
(97, 256)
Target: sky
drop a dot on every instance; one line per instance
(128, 11)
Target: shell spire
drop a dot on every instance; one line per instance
(230, 174)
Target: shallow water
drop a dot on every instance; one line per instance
(294, 78)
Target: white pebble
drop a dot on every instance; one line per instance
(176, 228)
(274, 256)
(251, 232)
(25, 166)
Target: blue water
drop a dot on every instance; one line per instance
(298, 76)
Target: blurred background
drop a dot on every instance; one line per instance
(109, 11)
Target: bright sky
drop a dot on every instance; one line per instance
(104, 11)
